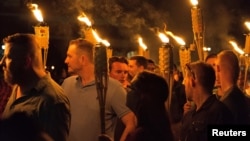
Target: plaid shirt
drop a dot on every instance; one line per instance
(5, 92)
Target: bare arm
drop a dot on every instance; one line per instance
(130, 122)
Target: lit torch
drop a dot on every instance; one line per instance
(247, 42)
(143, 49)
(197, 24)
(87, 31)
(91, 34)
(166, 64)
(41, 31)
(237, 48)
(184, 52)
(247, 52)
(101, 76)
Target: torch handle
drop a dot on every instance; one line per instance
(166, 67)
(101, 80)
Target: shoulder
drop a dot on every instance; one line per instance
(115, 86)
(70, 79)
(50, 91)
(115, 82)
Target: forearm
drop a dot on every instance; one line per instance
(130, 122)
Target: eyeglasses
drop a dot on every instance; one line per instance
(190, 70)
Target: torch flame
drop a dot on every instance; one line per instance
(163, 38)
(36, 12)
(106, 43)
(179, 40)
(98, 39)
(141, 43)
(84, 18)
(194, 2)
(247, 25)
(236, 48)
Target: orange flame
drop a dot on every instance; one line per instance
(163, 38)
(236, 48)
(179, 40)
(37, 13)
(98, 39)
(84, 18)
(142, 45)
(194, 2)
(247, 23)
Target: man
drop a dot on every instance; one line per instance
(151, 66)
(34, 91)
(199, 82)
(82, 93)
(136, 64)
(228, 71)
(211, 59)
(5, 91)
(118, 69)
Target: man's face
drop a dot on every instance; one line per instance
(119, 71)
(212, 62)
(218, 71)
(133, 69)
(73, 60)
(13, 65)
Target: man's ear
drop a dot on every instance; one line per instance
(193, 82)
(141, 68)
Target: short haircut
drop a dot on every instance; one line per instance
(120, 59)
(229, 61)
(140, 60)
(212, 55)
(151, 61)
(205, 75)
(24, 43)
(84, 45)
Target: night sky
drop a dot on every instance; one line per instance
(121, 21)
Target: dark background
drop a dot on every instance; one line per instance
(120, 21)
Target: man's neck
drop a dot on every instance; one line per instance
(87, 75)
(22, 90)
(201, 100)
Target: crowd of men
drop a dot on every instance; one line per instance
(205, 93)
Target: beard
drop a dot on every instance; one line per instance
(13, 77)
(8, 77)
